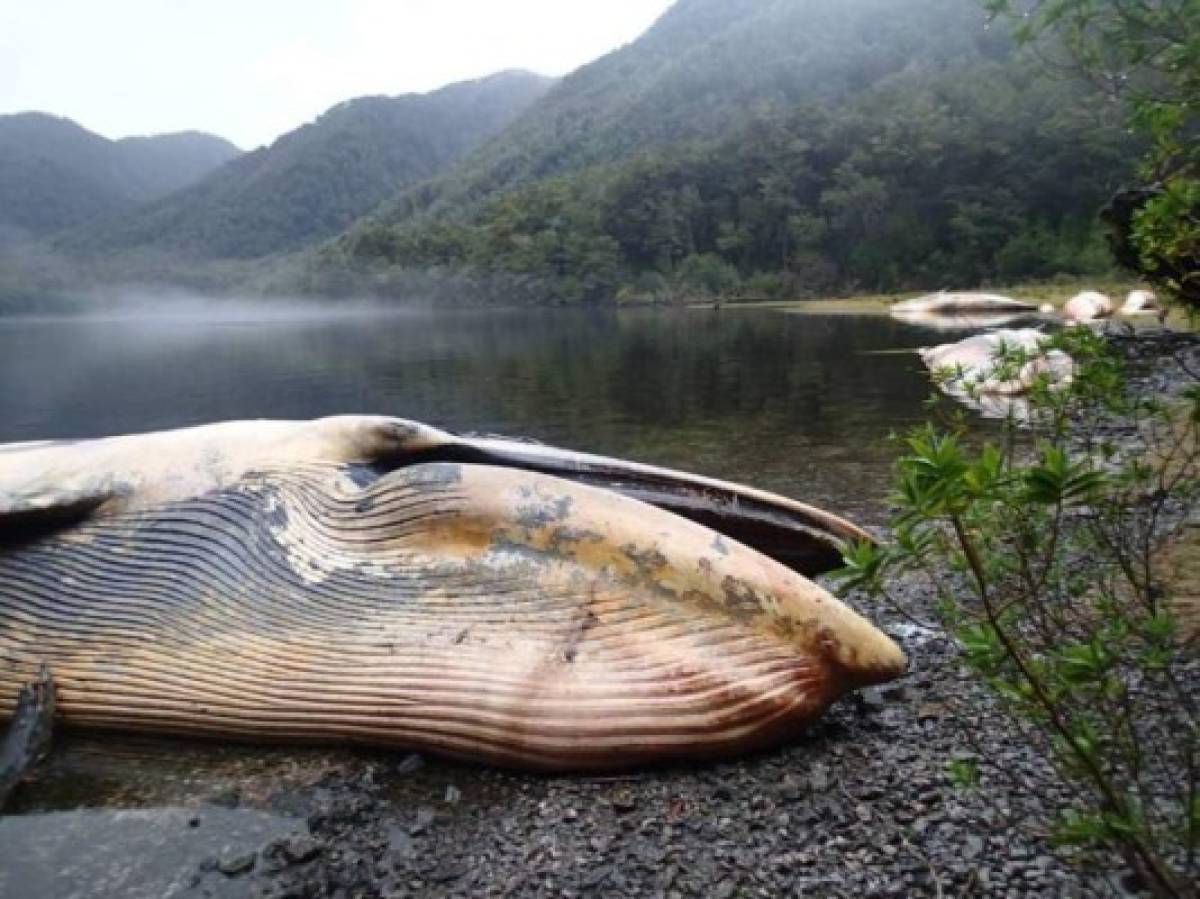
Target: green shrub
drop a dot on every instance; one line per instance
(1042, 550)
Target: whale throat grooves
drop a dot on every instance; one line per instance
(483, 613)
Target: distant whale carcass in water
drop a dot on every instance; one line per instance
(959, 303)
(947, 309)
(378, 581)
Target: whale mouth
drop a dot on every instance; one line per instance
(51, 485)
(806, 539)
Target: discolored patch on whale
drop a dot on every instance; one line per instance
(363, 475)
(539, 509)
(646, 560)
(434, 475)
(741, 598)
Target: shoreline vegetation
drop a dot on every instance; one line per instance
(1047, 549)
(1055, 292)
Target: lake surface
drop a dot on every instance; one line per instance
(798, 403)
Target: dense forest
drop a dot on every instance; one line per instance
(316, 181)
(55, 174)
(770, 147)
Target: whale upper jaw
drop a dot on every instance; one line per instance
(46, 480)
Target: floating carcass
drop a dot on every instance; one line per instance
(379, 581)
(992, 372)
(958, 303)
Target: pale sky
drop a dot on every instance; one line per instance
(250, 70)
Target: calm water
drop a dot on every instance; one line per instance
(801, 404)
(798, 403)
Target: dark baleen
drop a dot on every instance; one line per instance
(378, 581)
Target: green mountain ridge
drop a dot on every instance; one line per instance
(768, 147)
(704, 66)
(55, 174)
(169, 162)
(317, 180)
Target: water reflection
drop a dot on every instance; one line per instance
(794, 403)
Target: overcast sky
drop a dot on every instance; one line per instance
(250, 70)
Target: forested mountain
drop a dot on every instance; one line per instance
(707, 64)
(314, 182)
(165, 163)
(55, 174)
(770, 147)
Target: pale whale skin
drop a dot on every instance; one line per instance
(953, 303)
(483, 612)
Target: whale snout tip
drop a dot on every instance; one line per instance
(864, 657)
(887, 663)
(890, 663)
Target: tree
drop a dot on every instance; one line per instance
(1146, 55)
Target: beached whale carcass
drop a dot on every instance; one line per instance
(1088, 306)
(957, 310)
(1144, 302)
(379, 581)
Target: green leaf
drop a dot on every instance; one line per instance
(964, 772)
(1076, 828)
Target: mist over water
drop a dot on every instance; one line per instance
(796, 403)
(149, 308)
